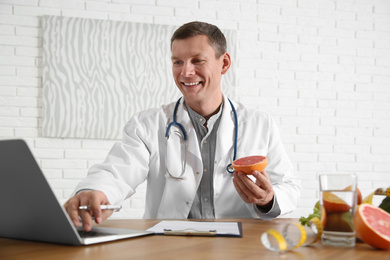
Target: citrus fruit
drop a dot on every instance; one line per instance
(322, 210)
(339, 222)
(359, 197)
(250, 163)
(359, 194)
(372, 225)
(317, 205)
(334, 203)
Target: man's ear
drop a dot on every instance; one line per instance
(226, 62)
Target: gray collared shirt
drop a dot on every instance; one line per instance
(203, 205)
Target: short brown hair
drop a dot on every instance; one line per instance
(216, 38)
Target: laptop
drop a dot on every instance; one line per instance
(30, 209)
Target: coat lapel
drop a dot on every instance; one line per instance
(225, 134)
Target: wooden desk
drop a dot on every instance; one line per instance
(178, 247)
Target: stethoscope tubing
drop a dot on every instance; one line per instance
(230, 168)
(174, 122)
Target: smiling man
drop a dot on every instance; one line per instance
(186, 175)
(197, 71)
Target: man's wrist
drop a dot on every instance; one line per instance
(267, 207)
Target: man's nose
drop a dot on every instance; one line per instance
(188, 69)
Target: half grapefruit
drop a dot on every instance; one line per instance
(249, 164)
(372, 225)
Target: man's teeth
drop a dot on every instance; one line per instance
(191, 84)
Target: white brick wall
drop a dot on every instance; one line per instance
(321, 68)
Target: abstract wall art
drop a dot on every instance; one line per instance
(98, 73)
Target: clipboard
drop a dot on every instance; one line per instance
(190, 232)
(197, 228)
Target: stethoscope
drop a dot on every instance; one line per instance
(229, 167)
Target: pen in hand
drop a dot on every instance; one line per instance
(103, 207)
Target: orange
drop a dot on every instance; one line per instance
(372, 225)
(334, 203)
(250, 163)
(339, 222)
(359, 194)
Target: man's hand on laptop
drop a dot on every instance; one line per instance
(93, 199)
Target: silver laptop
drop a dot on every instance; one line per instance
(31, 211)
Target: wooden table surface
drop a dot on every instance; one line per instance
(180, 247)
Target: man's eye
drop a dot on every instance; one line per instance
(177, 62)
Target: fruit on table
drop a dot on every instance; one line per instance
(339, 221)
(359, 194)
(359, 197)
(317, 213)
(372, 225)
(250, 163)
(334, 203)
(322, 214)
(379, 191)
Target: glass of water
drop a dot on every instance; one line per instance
(338, 205)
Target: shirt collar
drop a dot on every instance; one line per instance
(195, 117)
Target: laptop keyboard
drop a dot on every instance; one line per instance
(84, 234)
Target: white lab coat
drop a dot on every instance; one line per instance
(140, 156)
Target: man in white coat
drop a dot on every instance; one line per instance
(191, 181)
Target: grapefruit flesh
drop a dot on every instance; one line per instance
(250, 163)
(372, 225)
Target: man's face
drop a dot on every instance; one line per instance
(196, 70)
